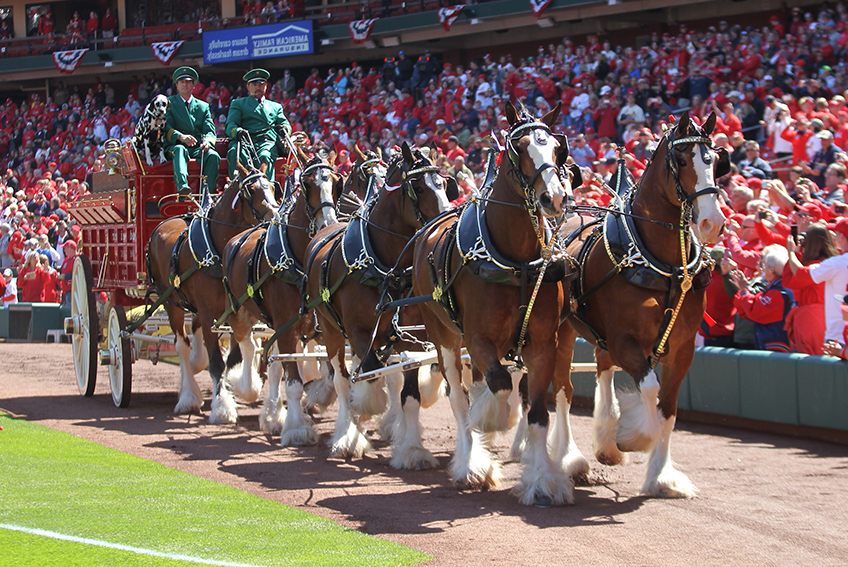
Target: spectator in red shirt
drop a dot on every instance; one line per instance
(806, 323)
(32, 279)
(91, 27)
(769, 308)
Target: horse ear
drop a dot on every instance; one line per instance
(683, 124)
(550, 117)
(407, 153)
(301, 154)
(331, 159)
(709, 124)
(452, 189)
(511, 115)
(242, 169)
(576, 176)
(563, 150)
(722, 167)
(338, 188)
(358, 151)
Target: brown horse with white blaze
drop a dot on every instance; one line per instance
(481, 268)
(183, 243)
(345, 265)
(640, 298)
(275, 298)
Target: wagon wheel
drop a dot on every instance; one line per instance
(118, 357)
(83, 325)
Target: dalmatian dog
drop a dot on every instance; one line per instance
(149, 138)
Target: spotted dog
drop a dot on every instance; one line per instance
(149, 138)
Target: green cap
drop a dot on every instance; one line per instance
(185, 73)
(257, 75)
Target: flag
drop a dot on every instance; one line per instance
(448, 15)
(538, 6)
(68, 61)
(165, 51)
(360, 30)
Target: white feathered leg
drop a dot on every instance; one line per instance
(249, 384)
(389, 420)
(369, 398)
(273, 413)
(639, 427)
(297, 430)
(408, 451)
(662, 478)
(199, 358)
(542, 483)
(348, 439)
(563, 447)
(605, 421)
(224, 408)
(472, 465)
(519, 443)
(320, 393)
(190, 397)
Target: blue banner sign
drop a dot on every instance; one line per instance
(257, 42)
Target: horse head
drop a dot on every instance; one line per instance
(694, 164)
(538, 159)
(419, 181)
(257, 192)
(366, 163)
(322, 188)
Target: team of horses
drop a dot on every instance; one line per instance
(513, 276)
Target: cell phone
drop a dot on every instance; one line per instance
(763, 215)
(793, 230)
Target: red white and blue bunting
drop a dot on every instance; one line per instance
(538, 6)
(448, 15)
(360, 30)
(165, 51)
(68, 61)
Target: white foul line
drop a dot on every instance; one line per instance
(139, 550)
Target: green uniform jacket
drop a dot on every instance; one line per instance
(196, 120)
(262, 122)
(265, 120)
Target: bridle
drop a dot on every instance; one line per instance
(687, 200)
(408, 174)
(316, 165)
(246, 193)
(517, 132)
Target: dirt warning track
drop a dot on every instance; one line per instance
(763, 499)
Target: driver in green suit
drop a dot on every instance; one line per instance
(261, 120)
(189, 130)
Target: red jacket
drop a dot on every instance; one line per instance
(747, 257)
(32, 289)
(720, 312)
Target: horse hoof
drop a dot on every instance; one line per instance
(543, 501)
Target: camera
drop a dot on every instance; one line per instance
(762, 215)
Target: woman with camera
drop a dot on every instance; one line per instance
(833, 272)
(32, 279)
(806, 323)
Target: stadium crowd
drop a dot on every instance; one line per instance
(778, 93)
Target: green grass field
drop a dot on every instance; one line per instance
(56, 482)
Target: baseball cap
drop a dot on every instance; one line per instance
(69, 243)
(825, 135)
(605, 90)
(841, 227)
(812, 210)
(453, 139)
(440, 121)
